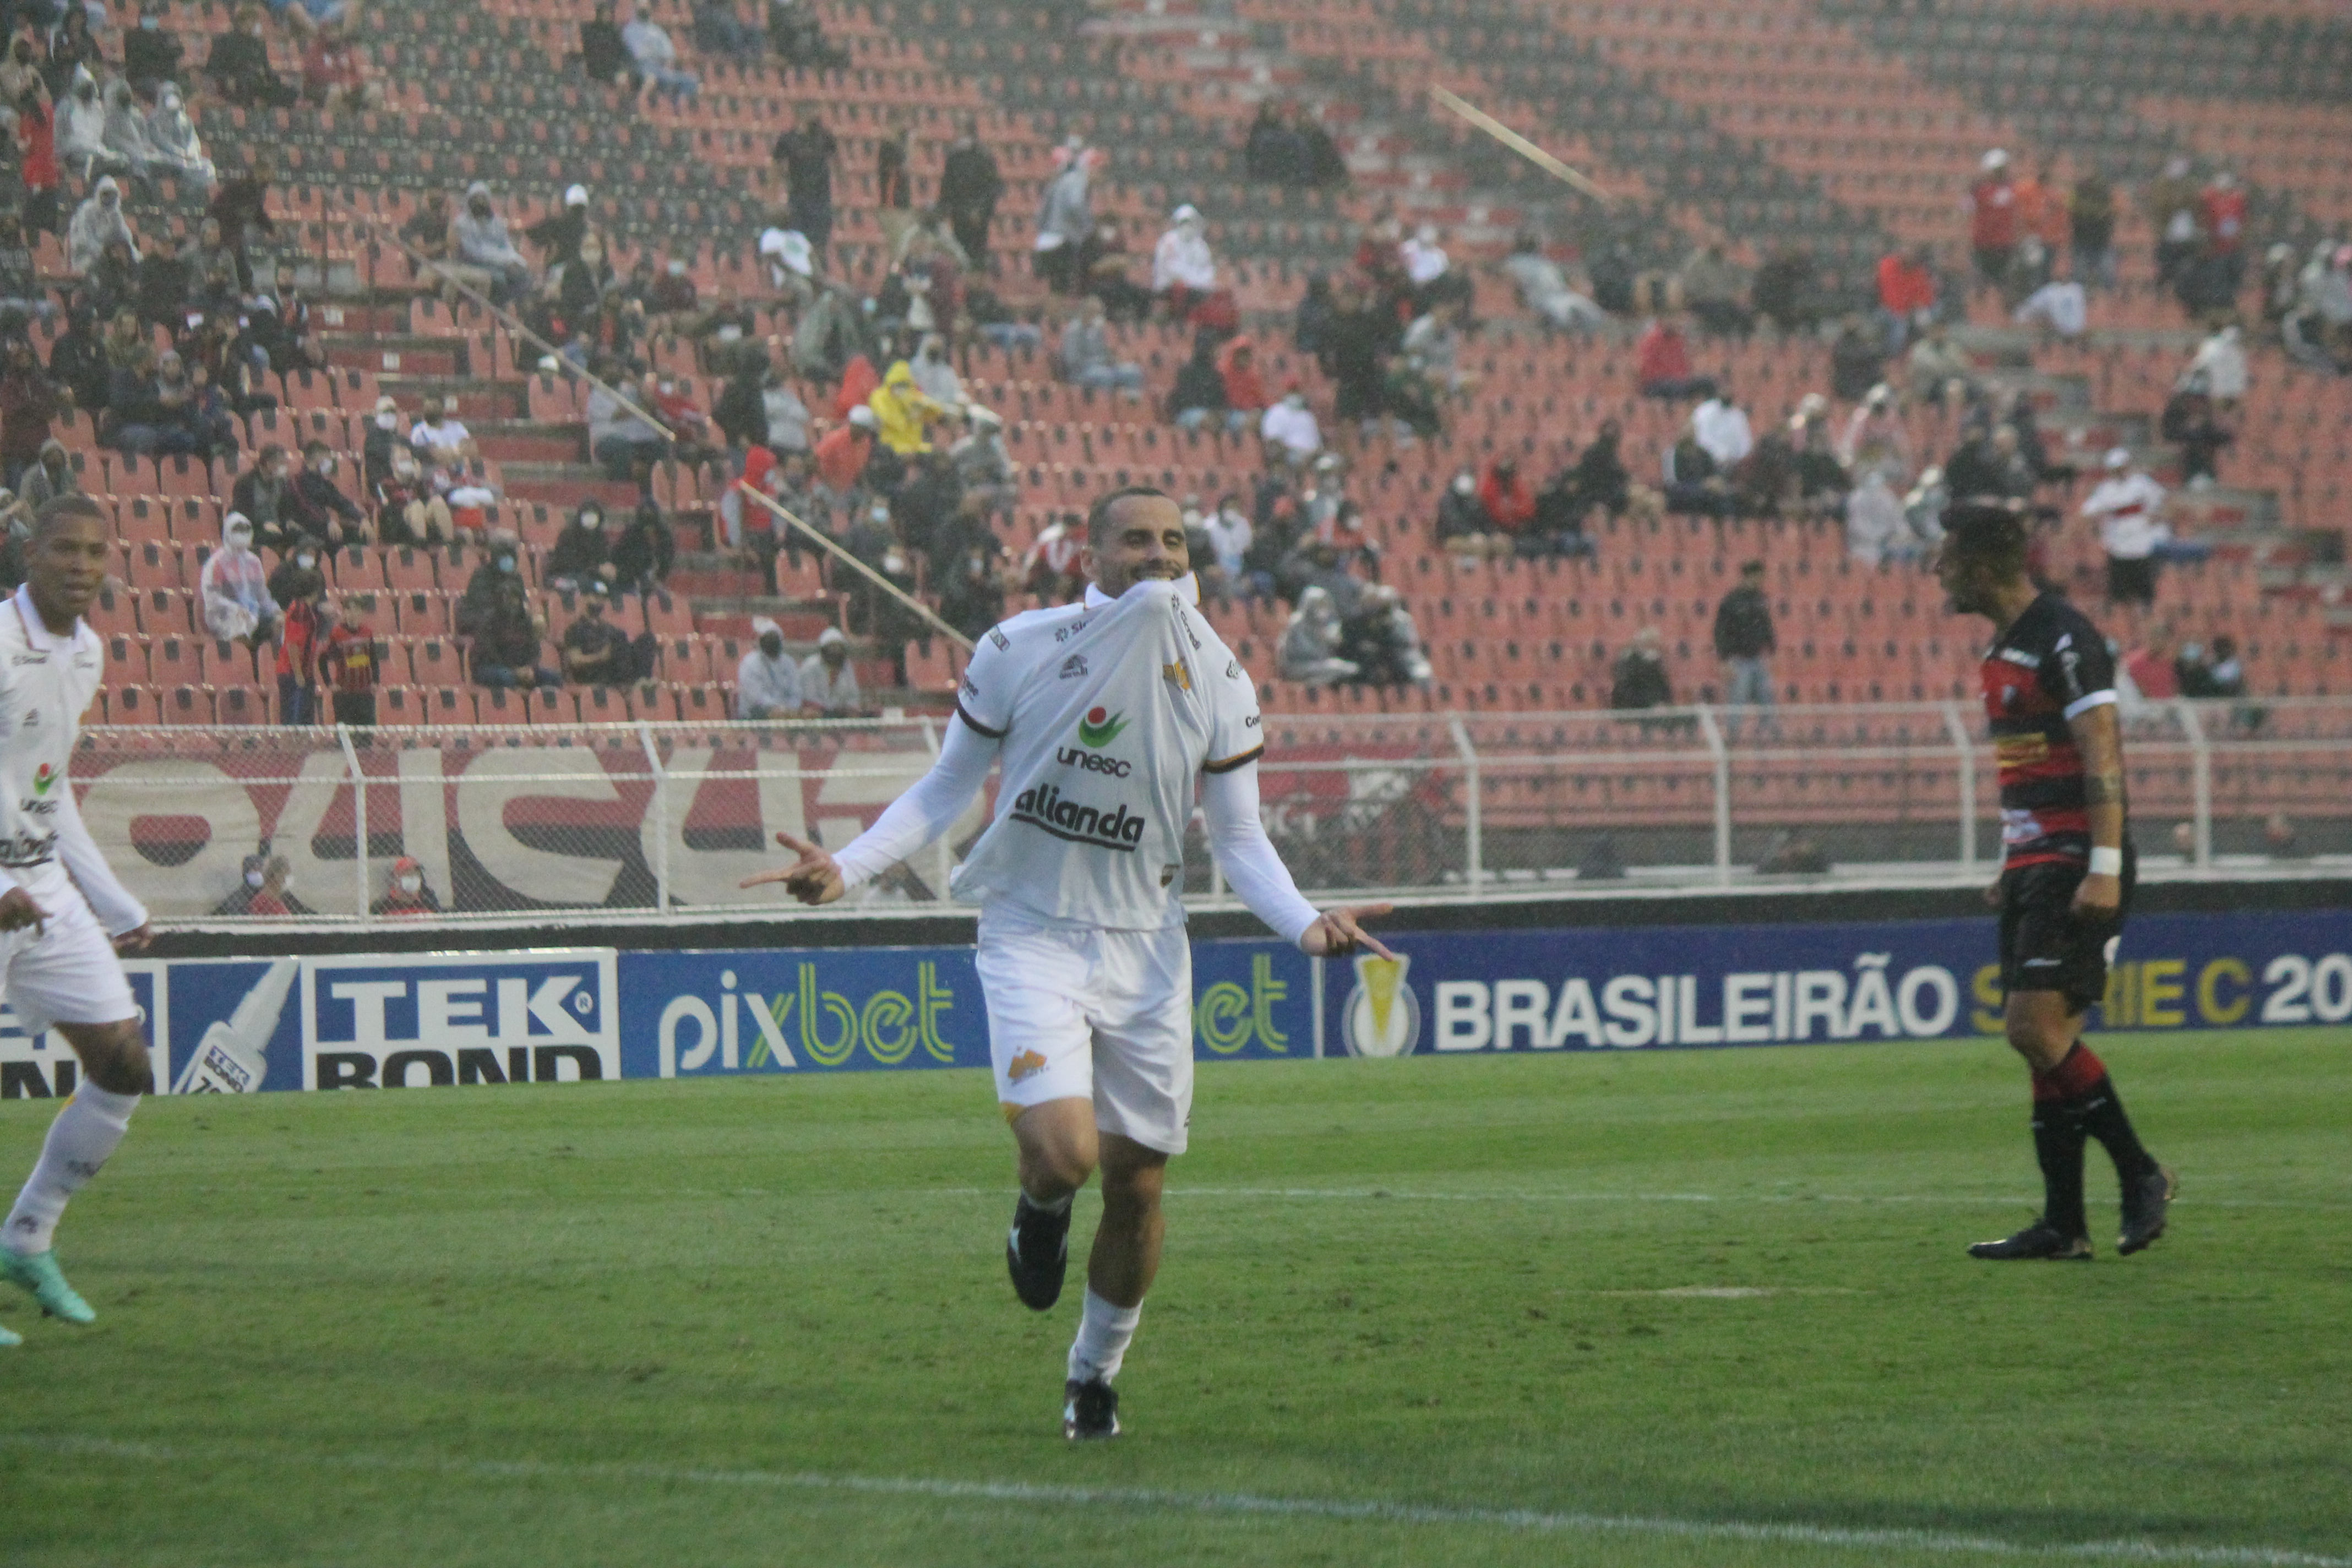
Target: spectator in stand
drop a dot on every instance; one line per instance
(1857, 359)
(1086, 356)
(904, 414)
(2041, 226)
(604, 55)
(1638, 680)
(507, 633)
(561, 235)
(28, 402)
(971, 590)
(595, 651)
(300, 641)
(1662, 364)
(1715, 292)
(935, 375)
(1051, 569)
(2191, 423)
(2171, 200)
(843, 453)
(643, 554)
(2221, 361)
(269, 898)
(1993, 227)
(1288, 428)
(81, 131)
(349, 664)
(51, 476)
(768, 681)
(1544, 288)
(333, 77)
(232, 589)
(1273, 152)
(1787, 290)
(1066, 218)
(2091, 229)
(2222, 228)
(1721, 427)
(1906, 296)
(483, 241)
(154, 411)
(1429, 272)
(126, 129)
(99, 222)
(656, 57)
(171, 136)
(1509, 502)
(719, 30)
(893, 184)
(983, 467)
(2153, 668)
(828, 683)
(1874, 438)
(579, 555)
(1230, 535)
(1198, 396)
(238, 65)
(1695, 485)
(1939, 371)
(2058, 308)
(267, 495)
(322, 499)
(1744, 641)
(806, 155)
(409, 510)
(406, 896)
(1309, 653)
(970, 188)
(619, 441)
(152, 56)
(2128, 507)
(1876, 530)
(38, 165)
(1242, 389)
(1183, 271)
(439, 436)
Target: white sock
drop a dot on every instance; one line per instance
(1103, 1333)
(79, 1142)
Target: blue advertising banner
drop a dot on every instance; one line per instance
(697, 1014)
(401, 1021)
(1603, 989)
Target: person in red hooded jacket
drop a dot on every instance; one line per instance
(1993, 221)
(1509, 500)
(1244, 387)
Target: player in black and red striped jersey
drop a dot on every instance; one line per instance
(2066, 875)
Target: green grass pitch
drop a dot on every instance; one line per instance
(1687, 1309)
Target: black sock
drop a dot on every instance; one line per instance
(2058, 1146)
(2100, 1113)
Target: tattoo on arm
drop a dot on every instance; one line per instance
(2104, 789)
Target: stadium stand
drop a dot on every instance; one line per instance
(1689, 116)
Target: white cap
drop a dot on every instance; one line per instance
(830, 635)
(576, 197)
(862, 417)
(2117, 458)
(1187, 211)
(761, 625)
(1997, 158)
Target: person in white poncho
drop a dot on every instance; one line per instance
(1106, 715)
(171, 134)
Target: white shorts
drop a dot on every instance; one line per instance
(67, 973)
(1085, 1013)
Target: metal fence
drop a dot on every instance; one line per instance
(647, 820)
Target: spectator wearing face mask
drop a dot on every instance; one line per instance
(828, 683)
(843, 453)
(642, 556)
(1184, 269)
(970, 188)
(905, 414)
(51, 475)
(298, 576)
(595, 651)
(152, 55)
(439, 435)
(349, 666)
(81, 131)
(619, 439)
(178, 149)
(333, 76)
(604, 55)
(300, 640)
(233, 590)
(273, 897)
(253, 873)
(507, 634)
(344, 522)
(406, 894)
(99, 222)
(580, 557)
(265, 494)
(154, 411)
(409, 511)
(935, 374)
(482, 241)
(768, 681)
(1289, 428)
(1086, 354)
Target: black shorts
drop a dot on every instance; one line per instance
(2044, 947)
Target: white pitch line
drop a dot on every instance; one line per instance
(1523, 1195)
(1152, 1498)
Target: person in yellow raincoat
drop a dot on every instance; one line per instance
(903, 410)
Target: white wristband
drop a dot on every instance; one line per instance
(2106, 862)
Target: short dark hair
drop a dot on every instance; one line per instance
(1989, 529)
(60, 510)
(1098, 515)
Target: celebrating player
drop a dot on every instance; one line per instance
(57, 897)
(2066, 881)
(1104, 713)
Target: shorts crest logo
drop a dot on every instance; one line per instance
(1382, 1017)
(1100, 728)
(1028, 1064)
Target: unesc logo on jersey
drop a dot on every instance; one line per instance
(402, 1021)
(1382, 1015)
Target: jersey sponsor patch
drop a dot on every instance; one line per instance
(1074, 667)
(1100, 727)
(1045, 808)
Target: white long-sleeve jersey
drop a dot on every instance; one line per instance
(47, 682)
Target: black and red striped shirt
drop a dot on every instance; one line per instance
(2045, 667)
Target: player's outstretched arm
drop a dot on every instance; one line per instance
(917, 818)
(1237, 838)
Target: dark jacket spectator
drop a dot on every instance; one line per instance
(604, 58)
(238, 65)
(1743, 624)
(1200, 384)
(970, 188)
(78, 363)
(579, 553)
(1638, 677)
(642, 556)
(1599, 475)
(28, 402)
(323, 499)
(495, 613)
(269, 498)
(1857, 361)
(151, 52)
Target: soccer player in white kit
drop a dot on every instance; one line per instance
(59, 900)
(1103, 714)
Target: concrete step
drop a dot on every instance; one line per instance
(566, 485)
(397, 353)
(528, 441)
